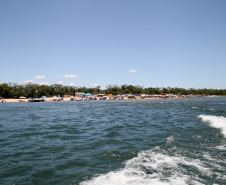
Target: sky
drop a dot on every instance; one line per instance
(150, 43)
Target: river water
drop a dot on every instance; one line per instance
(135, 142)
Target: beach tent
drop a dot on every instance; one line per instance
(82, 94)
(88, 94)
(142, 95)
(22, 97)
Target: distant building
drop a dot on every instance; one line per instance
(78, 94)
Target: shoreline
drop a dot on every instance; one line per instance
(68, 99)
(46, 100)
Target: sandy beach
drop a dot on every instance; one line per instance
(69, 99)
(27, 100)
(47, 100)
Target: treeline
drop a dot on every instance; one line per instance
(37, 91)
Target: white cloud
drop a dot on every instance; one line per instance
(42, 83)
(59, 76)
(132, 70)
(40, 77)
(94, 85)
(71, 84)
(70, 76)
(32, 82)
(28, 81)
(60, 82)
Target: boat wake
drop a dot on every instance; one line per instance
(215, 121)
(158, 167)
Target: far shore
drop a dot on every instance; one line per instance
(82, 99)
(47, 100)
(27, 100)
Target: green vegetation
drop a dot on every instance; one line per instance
(37, 91)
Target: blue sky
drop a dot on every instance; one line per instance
(151, 43)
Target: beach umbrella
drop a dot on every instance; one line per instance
(88, 94)
(82, 94)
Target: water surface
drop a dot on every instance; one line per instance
(172, 141)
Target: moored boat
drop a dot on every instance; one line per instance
(36, 100)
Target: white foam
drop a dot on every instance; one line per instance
(203, 109)
(215, 121)
(212, 161)
(153, 168)
(221, 147)
(170, 140)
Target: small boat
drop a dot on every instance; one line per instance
(36, 100)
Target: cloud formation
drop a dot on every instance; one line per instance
(71, 84)
(60, 82)
(95, 85)
(132, 70)
(28, 81)
(40, 77)
(32, 82)
(43, 83)
(70, 76)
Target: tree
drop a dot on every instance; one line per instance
(6, 91)
(37, 91)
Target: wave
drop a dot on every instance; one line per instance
(221, 147)
(155, 167)
(215, 121)
(205, 109)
